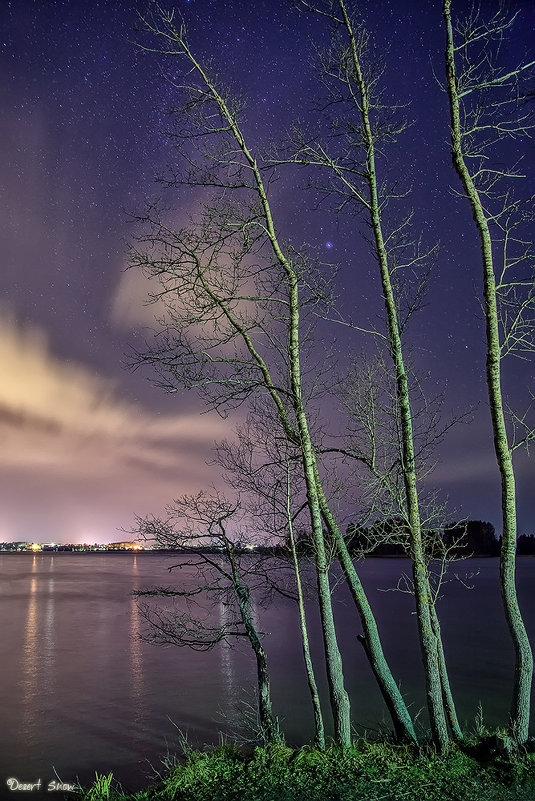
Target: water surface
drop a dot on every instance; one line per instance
(81, 692)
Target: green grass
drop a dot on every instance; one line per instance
(366, 772)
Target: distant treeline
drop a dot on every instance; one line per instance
(391, 538)
(470, 538)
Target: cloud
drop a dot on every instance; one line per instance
(129, 304)
(129, 307)
(73, 450)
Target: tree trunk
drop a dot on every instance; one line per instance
(268, 724)
(371, 640)
(319, 731)
(520, 705)
(447, 697)
(339, 698)
(338, 695)
(422, 589)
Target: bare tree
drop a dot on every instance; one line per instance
(235, 300)
(265, 469)
(485, 109)
(234, 297)
(351, 162)
(202, 522)
(374, 442)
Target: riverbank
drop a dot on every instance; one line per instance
(479, 770)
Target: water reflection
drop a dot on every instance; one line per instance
(30, 660)
(82, 688)
(38, 653)
(49, 643)
(238, 699)
(136, 654)
(229, 702)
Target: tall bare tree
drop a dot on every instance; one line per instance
(233, 296)
(485, 110)
(360, 133)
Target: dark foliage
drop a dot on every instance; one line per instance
(526, 545)
(477, 538)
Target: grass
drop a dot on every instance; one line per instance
(476, 771)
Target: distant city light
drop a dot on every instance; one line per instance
(35, 547)
(124, 546)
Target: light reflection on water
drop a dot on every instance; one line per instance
(230, 697)
(136, 656)
(30, 662)
(82, 692)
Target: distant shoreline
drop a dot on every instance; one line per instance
(171, 552)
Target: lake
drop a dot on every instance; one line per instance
(82, 693)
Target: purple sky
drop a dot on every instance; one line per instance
(86, 444)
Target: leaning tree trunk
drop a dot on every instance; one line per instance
(447, 697)
(335, 676)
(339, 698)
(371, 639)
(422, 589)
(269, 726)
(319, 730)
(520, 705)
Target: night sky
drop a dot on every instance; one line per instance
(86, 444)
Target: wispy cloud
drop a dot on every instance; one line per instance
(129, 306)
(73, 450)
